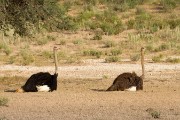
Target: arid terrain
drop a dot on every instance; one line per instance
(96, 41)
(81, 93)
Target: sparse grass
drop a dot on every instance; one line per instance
(6, 48)
(134, 57)
(150, 48)
(168, 5)
(3, 101)
(97, 36)
(105, 77)
(157, 58)
(162, 47)
(155, 114)
(47, 54)
(61, 55)
(92, 52)
(51, 38)
(109, 43)
(72, 59)
(42, 41)
(27, 57)
(112, 59)
(116, 51)
(77, 42)
(62, 42)
(173, 60)
(12, 59)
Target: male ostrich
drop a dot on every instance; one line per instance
(129, 81)
(42, 81)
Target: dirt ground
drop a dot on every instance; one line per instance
(81, 94)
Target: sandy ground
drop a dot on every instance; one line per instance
(81, 94)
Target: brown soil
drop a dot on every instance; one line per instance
(81, 94)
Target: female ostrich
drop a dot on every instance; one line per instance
(129, 81)
(42, 81)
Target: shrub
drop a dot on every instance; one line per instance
(112, 59)
(157, 58)
(26, 16)
(109, 43)
(150, 48)
(173, 60)
(92, 53)
(116, 52)
(97, 36)
(135, 57)
(162, 48)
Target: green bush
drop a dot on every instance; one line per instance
(28, 16)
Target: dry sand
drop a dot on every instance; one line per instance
(81, 94)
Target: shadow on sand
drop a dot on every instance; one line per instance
(9, 90)
(99, 90)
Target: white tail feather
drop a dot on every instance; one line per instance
(132, 88)
(43, 88)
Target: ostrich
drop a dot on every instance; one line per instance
(42, 81)
(129, 81)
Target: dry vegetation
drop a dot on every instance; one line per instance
(100, 29)
(92, 30)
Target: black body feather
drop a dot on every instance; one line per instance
(39, 79)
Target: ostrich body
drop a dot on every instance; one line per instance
(42, 81)
(129, 81)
